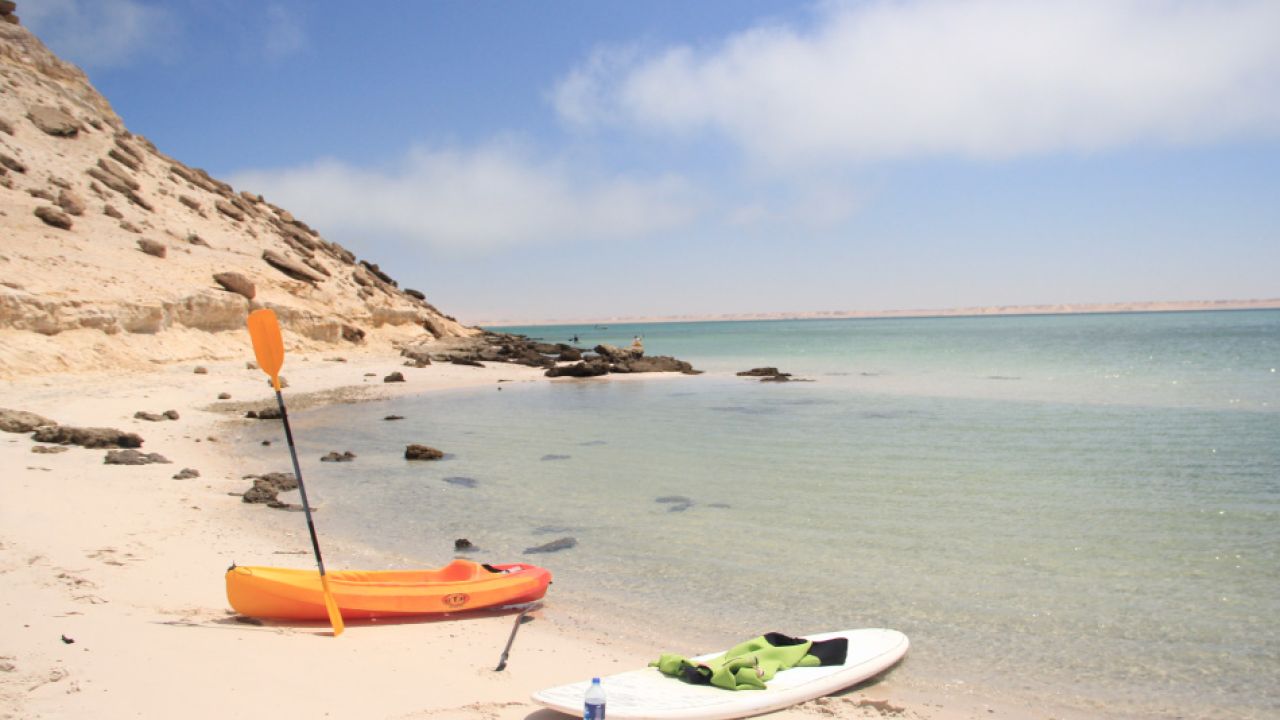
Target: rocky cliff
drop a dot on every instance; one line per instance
(113, 254)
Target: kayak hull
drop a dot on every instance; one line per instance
(288, 594)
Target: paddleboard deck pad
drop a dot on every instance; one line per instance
(650, 695)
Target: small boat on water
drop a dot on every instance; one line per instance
(288, 594)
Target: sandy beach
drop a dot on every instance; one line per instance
(113, 592)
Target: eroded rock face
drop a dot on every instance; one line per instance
(290, 267)
(63, 141)
(53, 216)
(53, 121)
(236, 283)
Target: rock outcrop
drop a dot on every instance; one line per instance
(82, 195)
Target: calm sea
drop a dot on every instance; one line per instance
(1082, 510)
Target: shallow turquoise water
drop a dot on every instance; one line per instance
(1084, 509)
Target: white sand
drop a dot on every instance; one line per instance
(128, 563)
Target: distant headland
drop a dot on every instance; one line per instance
(974, 311)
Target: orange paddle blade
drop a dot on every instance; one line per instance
(268, 345)
(335, 616)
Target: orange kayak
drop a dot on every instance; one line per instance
(286, 594)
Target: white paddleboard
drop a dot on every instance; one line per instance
(648, 694)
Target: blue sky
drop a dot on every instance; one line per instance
(580, 160)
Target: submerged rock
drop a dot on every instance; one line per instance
(761, 372)
(336, 456)
(422, 452)
(563, 543)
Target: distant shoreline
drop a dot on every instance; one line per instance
(977, 311)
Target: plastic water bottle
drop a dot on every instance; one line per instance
(593, 705)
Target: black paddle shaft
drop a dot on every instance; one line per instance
(302, 488)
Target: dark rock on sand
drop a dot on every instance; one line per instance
(187, 474)
(466, 361)
(589, 368)
(267, 487)
(266, 413)
(224, 396)
(49, 449)
(563, 543)
(617, 354)
(462, 481)
(396, 376)
(417, 357)
(156, 417)
(335, 456)
(352, 334)
(393, 417)
(569, 354)
(463, 544)
(422, 452)
(21, 421)
(656, 363)
(133, 457)
(202, 370)
(92, 437)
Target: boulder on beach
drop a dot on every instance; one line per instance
(90, 437)
(21, 421)
(133, 457)
(587, 368)
(267, 487)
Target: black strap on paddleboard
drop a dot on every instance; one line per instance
(828, 652)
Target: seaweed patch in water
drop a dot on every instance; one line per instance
(677, 503)
(745, 410)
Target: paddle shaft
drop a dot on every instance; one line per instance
(302, 488)
(502, 661)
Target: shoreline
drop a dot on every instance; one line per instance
(1172, 306)
(125, 563)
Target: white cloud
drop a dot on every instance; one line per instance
(972, 78)
(478, 200)
(284, 32)
(99, 33)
